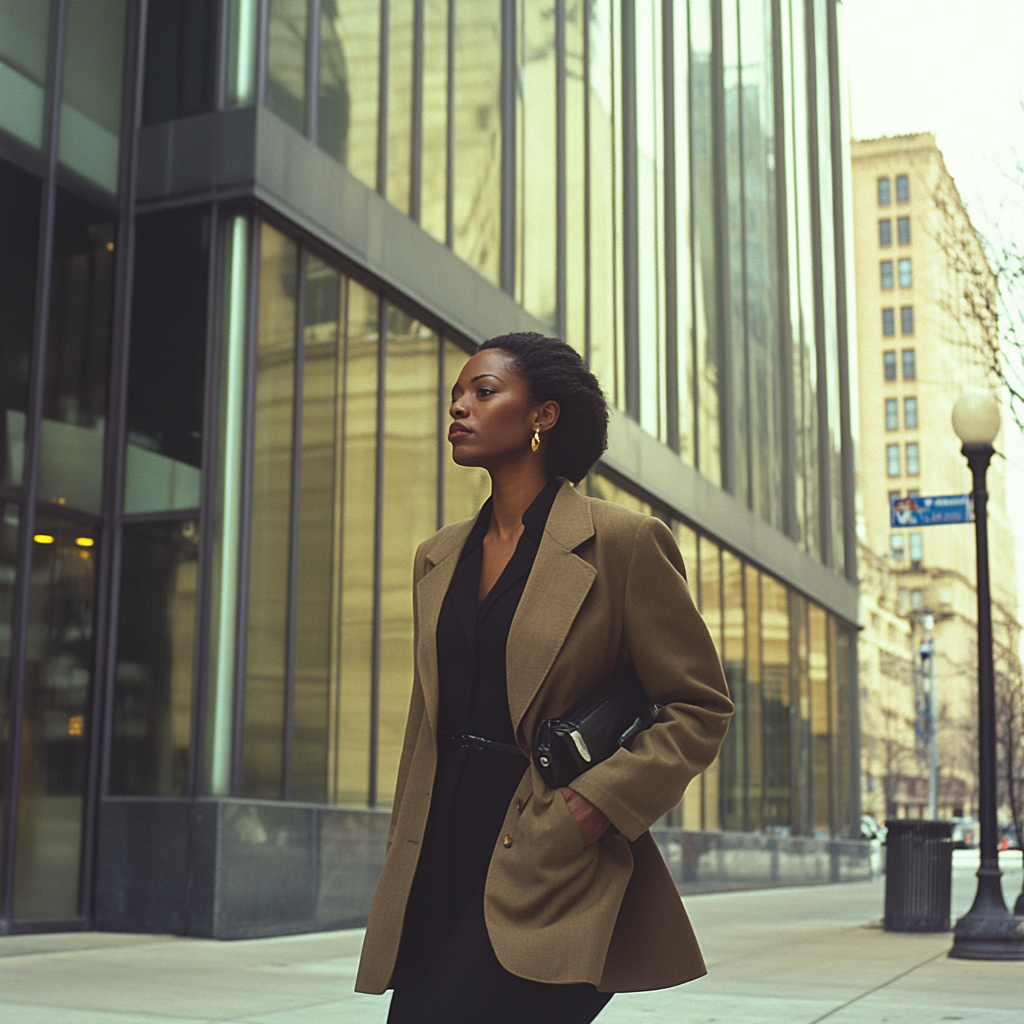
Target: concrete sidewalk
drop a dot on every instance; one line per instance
(797, 956)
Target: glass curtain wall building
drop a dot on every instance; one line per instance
(245, 246)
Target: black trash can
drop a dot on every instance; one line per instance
(919, 876)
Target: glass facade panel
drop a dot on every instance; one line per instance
(19, 242)
(710, 604)
(269, 547)
(167, 361)
(181, 59)
(734, 650)
(434, 153)
(800, 715)
(90, 109)
(156, 632)
(465, 488)
(477, 156)
(77, 355)
(410, 515)
(243, 18)
(400, 100)
(761, 260)
(604, 169)
(776, 703)
(706, 330)
(650, 215)
(755, 723)
(56, 726)
(821, 738)
(24, 38)
(318, 524)
(352, 685)
(8, 576)
(348, 114)
(286, 61)
(536, 160)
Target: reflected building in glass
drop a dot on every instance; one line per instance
(245, 247)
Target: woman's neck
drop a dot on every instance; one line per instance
(512, 493)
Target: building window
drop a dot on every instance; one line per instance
(892, 414)
(885, 232)
(884, 192)
(892, 459)
(907, 319)
(889, 365)
(902, 188)
(894, 496)
(887, 274)
(917, 594)
(916, 547)
(888, 322)
(909, 364)
(906, 278)
(910, 413)
(913, 493)
(903, 230)
(896, 545)
(913, 459)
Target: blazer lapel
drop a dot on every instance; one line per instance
(430, 592)
(559, 582)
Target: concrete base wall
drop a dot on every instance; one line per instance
(234, 869)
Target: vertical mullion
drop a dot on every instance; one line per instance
(416, 151)
(313, 69)
(449, 184)
(560, 172)
(745, 306)
(690, 241)
(211, 376)
(382, 94)
(288, 719)
(727, 397)
(630, 239)
(378, 552)
(37, 368)
(507, 244)
(671, 263)
(245, 527)
(220, 85)
(587, 233)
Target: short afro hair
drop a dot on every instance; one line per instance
(555, 372)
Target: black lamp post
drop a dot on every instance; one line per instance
(988, 931)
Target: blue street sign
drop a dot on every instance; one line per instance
(950, 508)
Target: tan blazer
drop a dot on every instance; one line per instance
(607, 585)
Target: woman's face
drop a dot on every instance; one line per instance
(493, 418)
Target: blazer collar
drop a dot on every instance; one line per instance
(558, 584)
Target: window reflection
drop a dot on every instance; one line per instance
(755, 722)
(820, 738)
(19, 232)
(24, 30)
(77, 355)
(434, 154)
(575, 175)
(710, 604)
(734, 760)
(262, 751)
(477, 156)
(400, 99)
(286, 61)
(56, 727)
(775, 675)
(347, 114)
(181, 59)
(466, 488)
(90, 115)
(155, 647)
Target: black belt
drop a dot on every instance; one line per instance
(479, 744)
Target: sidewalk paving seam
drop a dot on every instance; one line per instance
(878, 988)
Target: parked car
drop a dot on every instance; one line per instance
(966, 834)
(1008, 838)
(871, 829)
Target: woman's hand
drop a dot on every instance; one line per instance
(593, 823)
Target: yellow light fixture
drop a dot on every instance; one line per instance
(76, 725)
(43, 538)
(84, 542)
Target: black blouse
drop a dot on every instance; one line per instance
(472, 789)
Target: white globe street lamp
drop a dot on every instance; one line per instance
(988, 931)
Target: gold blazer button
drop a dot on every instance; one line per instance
(507, 841)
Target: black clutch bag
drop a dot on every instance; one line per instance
(593, 728)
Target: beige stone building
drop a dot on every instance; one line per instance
(923, 289)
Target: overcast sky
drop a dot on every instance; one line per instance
(955, 68)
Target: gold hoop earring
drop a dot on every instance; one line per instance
(535, 443)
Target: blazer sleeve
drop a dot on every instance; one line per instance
(679, 667)
(417, 705)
